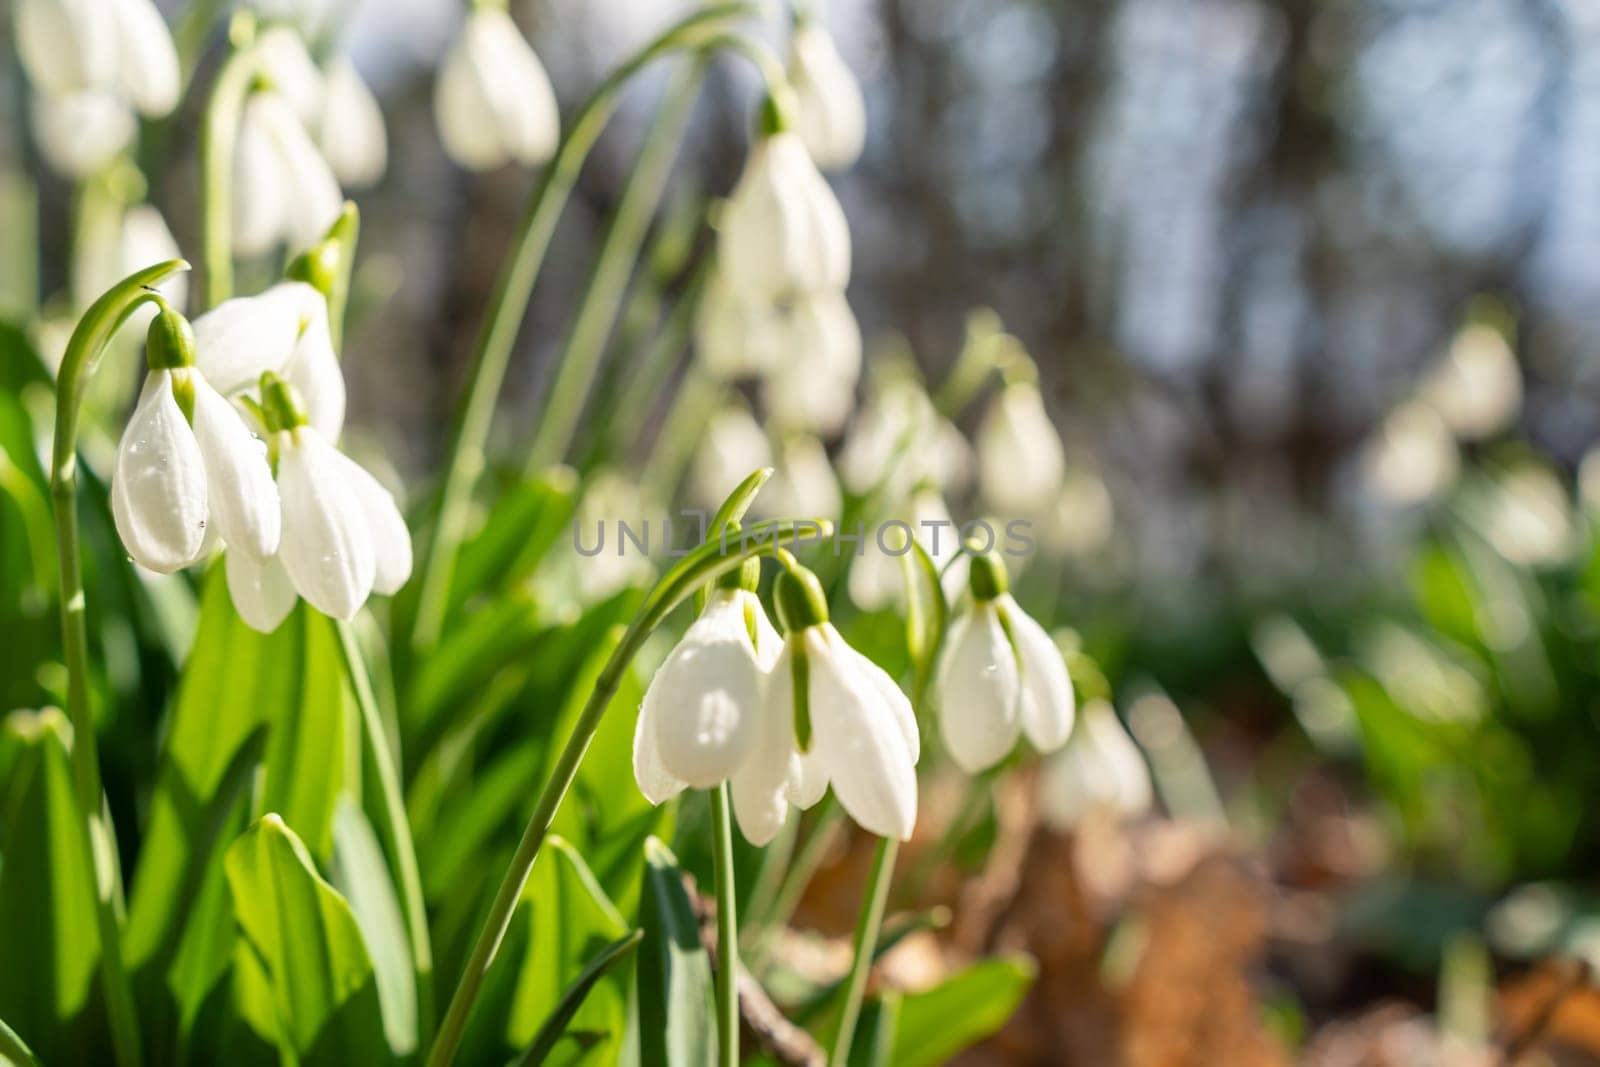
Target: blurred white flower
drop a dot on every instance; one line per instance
(733, 446)
(283, 330)
(735, 337)
(876, 581)
(187, 466)
(1081, 521)
(282, 57)
(782, 230)
(1000, 676)
(1100, 768)
(803, 484)
(610, 498)
(283, 189)
(702, 713)
(80, 132)
(351, 134)
(899, 441)
(812, 386)
(1413, 457)
(492, 99)
(121, 47)
(1020, 458)
(854, 729)
(147, 60)
(832, 119)
(1476, 386)
(1526, 515)
(139, 238)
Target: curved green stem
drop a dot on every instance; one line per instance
(510, 303)
(396, 828)
(580, 356)
(705, 564)
(218, 135)
(866, 943)
(89, 340)
(727, 928)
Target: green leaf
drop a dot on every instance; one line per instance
(875, 1032)
(739, 501)
(46, 893)
(361, 874)
(562, 921)
(323, 990)
(676, 998)
(556, 1025)
(14, 1050)
(960, 1011)
(525, 523)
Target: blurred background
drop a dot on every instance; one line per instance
(1313, 287)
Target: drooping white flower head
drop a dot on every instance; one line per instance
(351, 133)
(803, 482)
(844, 723)
(119, 46)
(281, 55)
(701, 716)
(735, 337)
(284, 330)
(812, 386)
(1020, 458)
(1412, 458)
(187, 467)
(492, 99)
(875, 581)
(831, 117)
(343, 535)
(1476, 386)
(1001, 676)
(733, 446)
(783, 232)
(284, 192)
(1100, 768)
(80, 132)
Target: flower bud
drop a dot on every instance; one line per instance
(169, 342)
(987, 579)
(282, 406)
(799, 598)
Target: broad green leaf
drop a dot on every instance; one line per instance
(676, 996)
(48, 940)
(562, 921)
(525, 523)
(236, 682)
(573, 997)
(360, 872)
(960, 1011)
(323, 989)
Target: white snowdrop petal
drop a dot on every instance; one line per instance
(735, 337)
(708, 695)
(466, 124)
(352, 135)
(81, 132)
(769, 643)
(158, 485)
(147, 60)
(1047, 698)
(240, 338)
(783, 231)
(861, 744)
(514, 85)
(327, 542)
(391, 540)
(1123, 763)
(282, 54)
(66, 45)
(832, 118)
(979, 693)
(314, 371)
(759, 785)
(655, 781)
(242, 496)
(732, 446)
(260, 202)
(146, 239)
(262, 593)
(1020, 460)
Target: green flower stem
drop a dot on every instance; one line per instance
(510, 303)
(89, 340)
(727, 928)
(580, 357)
(396, 828)
(704, 565)
(866, 943)
(218, 135)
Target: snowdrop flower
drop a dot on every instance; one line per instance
(283, 190)
(733, 446)
(1001, 676)
(187, 466)
(121, 47)
(803, 482)
(343, 537)
(833, 717)
(1020, 459)
(81, 132)
(493, 100)
(610, 497)
(735, 337)
(283, 330)
(1412, 458)
(831, 117)
(899, 441)
(782, 232)
(813, 385)
(139, 238)
(1100, 768)
(1476, 387)
(281, 55)
(351, 134)
(702, 713)
(875, 580)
